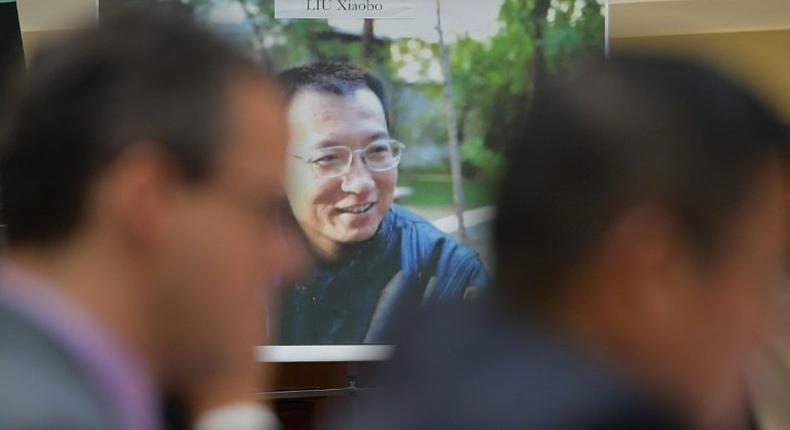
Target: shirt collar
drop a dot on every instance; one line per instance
(111, 367)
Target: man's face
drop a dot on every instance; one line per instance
(346, 208)
(721, 309)
(224, 246)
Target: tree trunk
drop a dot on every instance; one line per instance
(539, 17)
(465, 108)
(367, 42)
(452, 128)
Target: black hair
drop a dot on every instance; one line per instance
(632, 130)
(137, 76)
(335, 78)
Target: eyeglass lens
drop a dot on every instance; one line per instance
(378, 156)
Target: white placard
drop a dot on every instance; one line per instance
(323, 9)
(323, 353)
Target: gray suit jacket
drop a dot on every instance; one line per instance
(41, 386)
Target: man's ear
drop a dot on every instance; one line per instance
(140, 192)
(645, 267)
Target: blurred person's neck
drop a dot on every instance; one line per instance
(104, 283)
(608, 336)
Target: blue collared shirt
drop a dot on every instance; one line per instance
(364, 295)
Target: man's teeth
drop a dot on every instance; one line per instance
(358, 209)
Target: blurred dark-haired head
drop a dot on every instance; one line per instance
(643, 203)
(149, 152)
(137, 77)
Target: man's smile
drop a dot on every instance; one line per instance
(357, 209)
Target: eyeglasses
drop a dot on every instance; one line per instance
(333, 161)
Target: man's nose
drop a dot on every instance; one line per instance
(358, 180)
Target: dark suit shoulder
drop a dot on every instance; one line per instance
(463, 367)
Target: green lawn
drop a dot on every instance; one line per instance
(435, 189)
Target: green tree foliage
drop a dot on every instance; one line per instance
(494, 80)
(576, 33)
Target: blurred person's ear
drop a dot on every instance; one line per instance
(645, 249)
(642, 270)
(137, 190)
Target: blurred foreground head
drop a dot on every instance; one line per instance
(146, 155)
(642, 214)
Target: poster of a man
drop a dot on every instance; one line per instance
(374, 261)
(393, 195)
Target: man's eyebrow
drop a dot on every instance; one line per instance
(378, 136)
(372, 138)
(326, 144)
